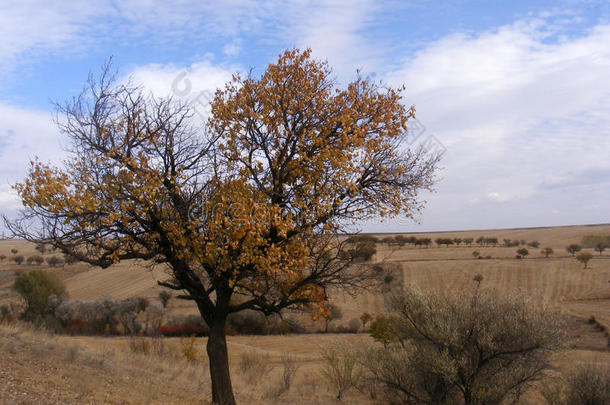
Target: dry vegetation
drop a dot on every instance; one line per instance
(37, 367)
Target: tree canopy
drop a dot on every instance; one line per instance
(244, 211)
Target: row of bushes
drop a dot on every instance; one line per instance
(52, 261)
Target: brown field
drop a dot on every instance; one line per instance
(41, 368)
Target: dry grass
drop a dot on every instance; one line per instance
(37, 367)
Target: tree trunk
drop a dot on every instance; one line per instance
(222, 390)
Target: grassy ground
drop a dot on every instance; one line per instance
(39, 368)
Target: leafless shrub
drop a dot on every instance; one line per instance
(254, 366)
(341, 367)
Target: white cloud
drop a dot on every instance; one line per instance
(517, 112)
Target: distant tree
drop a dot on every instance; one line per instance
(42, 248)
(388, 240)
(400, 240)
(534, 244)
(18, 259)
(365, 318)
(523, 252)
(14, 251)
(425, 241)
(476, 254)
(165, 296)
(491, 241)
(478, 278)
(468, 241)
(333, 313)
(69, 259)
(457, 241)
(573, 248)
(584, 258)
(412, 240)
(507, 242)
(481, 240)
(2, 258)
(54, 261)
(547, 251)
(523, 242)
(444, 241)
(600, 247)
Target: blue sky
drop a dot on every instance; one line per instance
(517, 92)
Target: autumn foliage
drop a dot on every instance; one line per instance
(245, 213)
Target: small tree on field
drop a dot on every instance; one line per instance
(471, 348)
(2, 258)
(18, 259)
(457, 241)
(35, 287)
(534, 244)
(249, 208)
(14, 251)
(365, 318)
(600, 247)
(584, 258)
(333, 313)
(468, 241)
(165, 296)
(42, 248)
(573, 248)
(54, 261)
(476, 254)
(547, 251)
(523, 252)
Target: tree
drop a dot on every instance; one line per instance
(573, 248)
(523, 252)
(14, 251)
(245, 214)
(584, 258)
(35, 287)
(333, 313)
(467, 348)
(476, 254)
(18, 259)
(600, 247)
(365, 318)
(468, 241)
(534, 244)
(165, 296)
(457, 241)
(547, 251)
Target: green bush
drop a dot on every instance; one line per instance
(35, 287)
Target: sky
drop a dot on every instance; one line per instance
(515, 93)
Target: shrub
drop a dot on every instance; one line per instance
(290, 367)
(2, 258)
(184, 329)
(188, 349)
(585, 385)
(14, 251)
(42, 248)
(35, 287)
(381, 330)
(476, 254)
(465, 348)
(254, 366)
(341, 367)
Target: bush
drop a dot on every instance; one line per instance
(341, 367)
(248, 322)
(585, 385)
(188, 349)
(523, 252)
(254, 366)
(165, 296)
(35, 287)
(184, 329)
(573, 248)
(466, 348)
